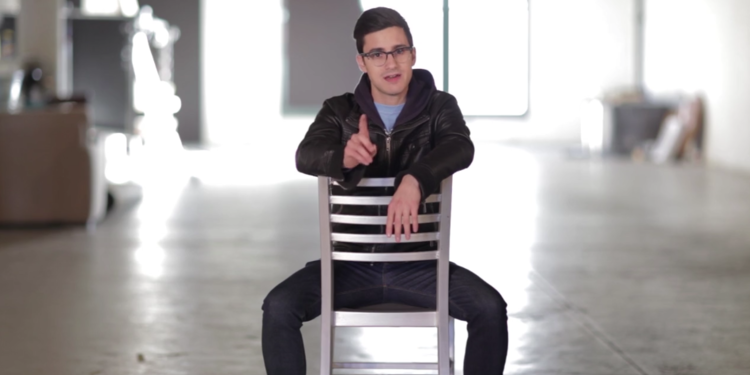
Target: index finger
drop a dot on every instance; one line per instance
(364, 131)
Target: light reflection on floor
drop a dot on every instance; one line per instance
(493, 229)
(652, 257)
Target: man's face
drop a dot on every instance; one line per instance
(391, 79)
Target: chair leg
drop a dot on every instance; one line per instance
(452, 335)
(326, 277)
(445, 347)
(326, 348)
(327, 329)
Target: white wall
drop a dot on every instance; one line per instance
(703, 46)
(579, 49)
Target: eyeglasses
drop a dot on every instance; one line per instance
(378, 58)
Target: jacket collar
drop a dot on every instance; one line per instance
(421, 88)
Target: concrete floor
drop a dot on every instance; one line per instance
(608, 268)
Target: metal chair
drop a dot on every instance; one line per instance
(388, 315)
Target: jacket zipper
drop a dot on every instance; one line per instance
(388, 155)
(388, 149)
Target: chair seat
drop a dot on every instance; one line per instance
(388, 308)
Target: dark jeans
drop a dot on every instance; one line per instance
(297, 300)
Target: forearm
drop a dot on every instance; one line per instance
(453, 150)
(321, 153)
(317, 156)
(453, 154)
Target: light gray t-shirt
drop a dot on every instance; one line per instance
(389, 113)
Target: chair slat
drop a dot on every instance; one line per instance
(385, 257)
(372, 201)
(382, 238)
(378, 220)
(388, 307)
(373, 182)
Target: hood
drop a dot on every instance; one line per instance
(421, 88)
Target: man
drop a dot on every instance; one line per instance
(396, 124)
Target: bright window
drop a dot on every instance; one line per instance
(489, 56)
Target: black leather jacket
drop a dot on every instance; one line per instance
(429, 141)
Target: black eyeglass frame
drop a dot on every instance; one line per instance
(368, 55)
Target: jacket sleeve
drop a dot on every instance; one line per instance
(321, 152)
(453, 150)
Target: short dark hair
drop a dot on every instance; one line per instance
(376, 19)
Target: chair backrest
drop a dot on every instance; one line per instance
(327, 198)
